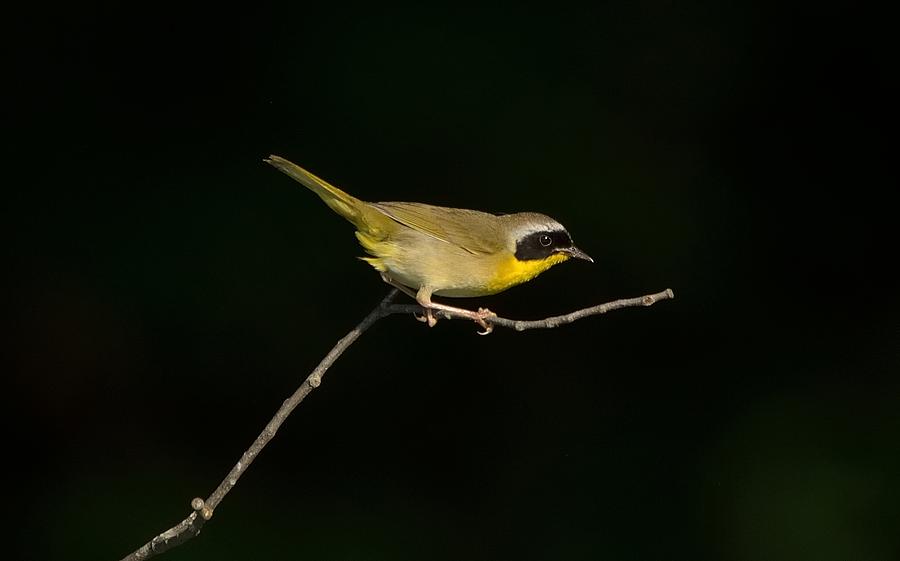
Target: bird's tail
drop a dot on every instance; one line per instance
(346, 205)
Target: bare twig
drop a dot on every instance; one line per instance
(203, 510)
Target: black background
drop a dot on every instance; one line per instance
(169, 289)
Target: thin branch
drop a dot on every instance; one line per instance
(203, 510)
(553, 321)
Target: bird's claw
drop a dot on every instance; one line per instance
(428, 317)
(480, 316)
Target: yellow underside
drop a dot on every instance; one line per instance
(374, 247)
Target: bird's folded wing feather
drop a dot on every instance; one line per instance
(474, 231)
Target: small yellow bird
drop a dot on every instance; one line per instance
(427, 250)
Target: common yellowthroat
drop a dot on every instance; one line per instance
(427, 250)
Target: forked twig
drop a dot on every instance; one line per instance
(203, 509)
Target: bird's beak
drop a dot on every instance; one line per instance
(577, 253)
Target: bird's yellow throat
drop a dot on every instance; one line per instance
(512, 271)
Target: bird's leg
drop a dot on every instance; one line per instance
(404, 289)
(428, 317)
(424, 299)
(424, 295)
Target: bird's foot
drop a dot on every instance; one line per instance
(482, 317)
(431, 310)
(428, 317)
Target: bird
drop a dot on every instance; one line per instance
(426, 250)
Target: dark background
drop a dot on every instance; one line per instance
(169, 289)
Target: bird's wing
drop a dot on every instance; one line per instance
(474, 231)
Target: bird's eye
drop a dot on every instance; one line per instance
(545, 240)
